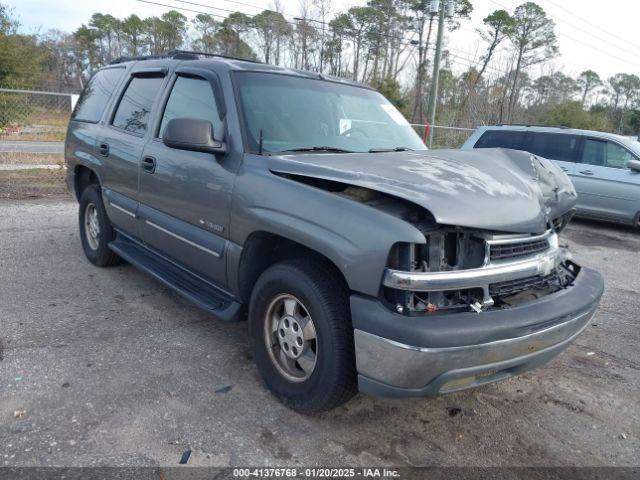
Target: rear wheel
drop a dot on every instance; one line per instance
(302, 337)
(95, 228)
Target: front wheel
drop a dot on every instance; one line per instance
(302, 337)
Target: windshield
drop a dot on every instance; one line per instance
(296, 113)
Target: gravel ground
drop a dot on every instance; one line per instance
(108, 367)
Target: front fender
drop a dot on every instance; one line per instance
(354, 236)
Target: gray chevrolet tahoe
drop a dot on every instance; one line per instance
(308, 205)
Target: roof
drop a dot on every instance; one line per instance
(234, 64)
(557, 129)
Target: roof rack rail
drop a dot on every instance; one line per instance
(194, 53)
(530, 125)
(139, 57)
(180, 55)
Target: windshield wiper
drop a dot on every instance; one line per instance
(396, 149)
(318, 149)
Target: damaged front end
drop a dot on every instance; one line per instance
(461, 269)
(490, 222)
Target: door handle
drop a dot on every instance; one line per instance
(103, 148)
(149, 164)
(564, 169)
(585, 172)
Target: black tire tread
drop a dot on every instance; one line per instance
(333, 295)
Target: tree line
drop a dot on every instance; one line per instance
(388, 44)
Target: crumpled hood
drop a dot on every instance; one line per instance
(493, 189)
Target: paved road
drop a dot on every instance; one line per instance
(29, 166)
(112, 368)
(17, 146)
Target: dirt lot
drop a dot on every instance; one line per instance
(106, 366)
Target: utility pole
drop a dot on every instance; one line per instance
(433, 94)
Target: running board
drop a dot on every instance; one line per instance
(200, 292)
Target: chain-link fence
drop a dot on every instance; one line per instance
(439, 136)
(32, 115)
(32, 131)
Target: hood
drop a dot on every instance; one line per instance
(491, 189)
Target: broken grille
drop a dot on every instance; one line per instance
(503, 289)
(520, 249)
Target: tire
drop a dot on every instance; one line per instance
(322, 296)
(95, 242)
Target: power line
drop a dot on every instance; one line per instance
(563, 60)
(581, 41)
(224, 17)
(593, 35)
(563, 34)
(467, 61)
(208, 6)
(184, 9)
(379, 34)
(244, 4)
(402, 40)
(599, 27)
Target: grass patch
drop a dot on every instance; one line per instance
(33, 182)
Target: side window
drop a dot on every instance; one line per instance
(617, 156)
(96, 94)
(501, 139)
(594, 152)
(192, 98)
(133, 111)
(554, 146)
(605, 154)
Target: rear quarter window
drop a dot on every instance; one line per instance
(501, 139)
(96, 95)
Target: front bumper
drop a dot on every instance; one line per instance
(402, 356)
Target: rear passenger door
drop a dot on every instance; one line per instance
(561, 148)
(606, 187)
(185, 197)
(121, 144)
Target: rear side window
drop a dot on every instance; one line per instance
(132, 114)
(501, 139)
(96, 94)
(554, 146)
(192, 98)
(605, 154)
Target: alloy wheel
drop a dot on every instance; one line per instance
(290, 337)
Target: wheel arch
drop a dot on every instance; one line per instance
(84, 176)
(263, 249)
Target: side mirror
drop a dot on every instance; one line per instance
(193, 134)
(634, 165)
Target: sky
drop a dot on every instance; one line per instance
(592, 34)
